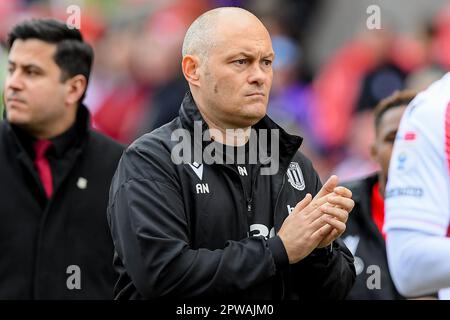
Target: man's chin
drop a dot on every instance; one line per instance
(257, 112)
(17, 119)
(252, 119)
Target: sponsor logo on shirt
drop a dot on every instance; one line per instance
(415, 192)
(403, 161)
(290, 209)
(408, 136)
(258, 229)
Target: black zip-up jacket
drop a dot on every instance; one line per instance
(59, 248)
(368, 246)
(176, 239)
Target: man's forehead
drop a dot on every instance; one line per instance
(393, 115)
(390, 120)
(249, 44)
(32, 50)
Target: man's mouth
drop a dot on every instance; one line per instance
(255, 94)
(15, 100)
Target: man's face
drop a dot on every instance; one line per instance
(237, 75)
(34, 94)
(384, 139)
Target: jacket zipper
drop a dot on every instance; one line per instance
(253, 183)
(249, 209)
(278, 195)
(248, 206)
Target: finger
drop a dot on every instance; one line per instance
(315, 205)
(315, 214)
(333, 235)
(318, 223)
(303, 203)
(341, 202)
(338, 213)
(317, 202)
(322, 232)
(335, 223)
(328, 187)
(327, 209)
(343, 191)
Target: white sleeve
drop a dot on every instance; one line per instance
(417, 201)
(419, 263)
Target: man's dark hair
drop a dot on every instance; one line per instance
(73, 56)
(397, 99)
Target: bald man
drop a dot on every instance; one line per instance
(220, 202)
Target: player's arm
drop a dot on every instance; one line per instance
(417, 207)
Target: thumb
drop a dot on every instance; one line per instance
(302, 204)
(328, 187)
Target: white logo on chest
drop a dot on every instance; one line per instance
(202, 188)
(295, 176)
(258, 229)
(242, 171)
(198, 169)
(82, 183)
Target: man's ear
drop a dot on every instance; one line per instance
(76, 86)
(190, 66)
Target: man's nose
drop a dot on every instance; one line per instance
(14, 81)
(257, 75)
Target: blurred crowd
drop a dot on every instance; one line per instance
(137, 85)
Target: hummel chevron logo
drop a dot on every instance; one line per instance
(198, 169)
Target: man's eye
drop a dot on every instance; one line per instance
(241, 61)
(267, 62)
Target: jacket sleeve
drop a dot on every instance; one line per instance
(151, 236)
(327, 273)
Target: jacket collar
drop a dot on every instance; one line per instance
(288, 144)
(72, 137)
(189, 113)
(362, 195)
